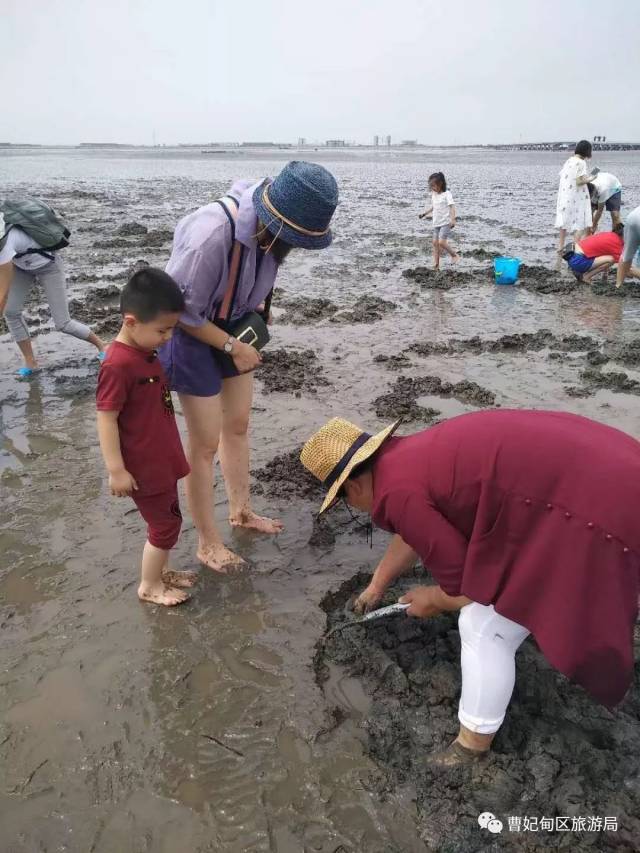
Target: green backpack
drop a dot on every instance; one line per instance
(37, 220)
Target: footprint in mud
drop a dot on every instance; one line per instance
(558, 753)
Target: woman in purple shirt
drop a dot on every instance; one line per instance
(208, 367)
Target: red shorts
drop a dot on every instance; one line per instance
(163, 517)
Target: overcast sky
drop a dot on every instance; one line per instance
(205, 70)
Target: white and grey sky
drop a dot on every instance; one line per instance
(206, 70)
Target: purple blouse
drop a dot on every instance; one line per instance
(199, 260)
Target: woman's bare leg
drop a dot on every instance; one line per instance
(436, 255)
(203, 416)
(237, 395)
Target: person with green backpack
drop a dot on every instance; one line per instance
(31, 234)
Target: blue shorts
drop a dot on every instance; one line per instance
(580, 264)
(193, 367)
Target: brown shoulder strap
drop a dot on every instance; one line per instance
(234, 273)
(235, 260)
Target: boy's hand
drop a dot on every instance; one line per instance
(452, 224)
(122, 484)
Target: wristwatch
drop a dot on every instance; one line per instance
(228, 347)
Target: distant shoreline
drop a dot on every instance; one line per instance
(240, 148)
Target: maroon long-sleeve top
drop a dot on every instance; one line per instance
(537, 513)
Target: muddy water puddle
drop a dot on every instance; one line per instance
(130, 728)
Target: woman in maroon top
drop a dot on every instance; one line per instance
(528, 522)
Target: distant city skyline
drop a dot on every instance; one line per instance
(151, 71)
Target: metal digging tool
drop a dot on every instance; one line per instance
(391, 610)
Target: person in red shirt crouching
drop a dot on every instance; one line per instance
(138, 435)
(596, 254)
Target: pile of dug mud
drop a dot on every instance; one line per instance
(309, 311)
(292, 371)
(401, 400)
(557, 754)
(284, 477)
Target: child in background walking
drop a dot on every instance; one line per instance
(444, 217)
(138, 435)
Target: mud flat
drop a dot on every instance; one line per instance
(558, 752)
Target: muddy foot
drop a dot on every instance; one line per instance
(220, 559)
(162, 594)
(251, 521)
(456, 755)
(179, 580)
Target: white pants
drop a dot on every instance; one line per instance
(489, 646)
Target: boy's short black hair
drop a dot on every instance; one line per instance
(150, 292)
(583, 148)
(618, 228)
(439, 178)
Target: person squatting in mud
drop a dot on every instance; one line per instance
(225, 258)
(137, 428)
(528, 522)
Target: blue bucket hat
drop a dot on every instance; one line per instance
(298, 204)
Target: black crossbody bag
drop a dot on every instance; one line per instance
(251, 328)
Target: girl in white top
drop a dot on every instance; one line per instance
(444, 217)
(573, 208)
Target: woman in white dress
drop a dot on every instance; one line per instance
(573, 210)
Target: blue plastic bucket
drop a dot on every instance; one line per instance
(506, 270)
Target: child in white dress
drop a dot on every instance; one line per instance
(573, 208)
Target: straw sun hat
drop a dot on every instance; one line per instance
(336, 449)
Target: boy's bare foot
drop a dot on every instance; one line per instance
(179, 580)
(455, 259)
(162, 594)
(220, 559)
(251, 521)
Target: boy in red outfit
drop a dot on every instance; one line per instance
(138, 435)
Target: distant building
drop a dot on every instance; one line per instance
(388, 141)
(376, 141)
(301, 142)
(409, 142)
(335, 143)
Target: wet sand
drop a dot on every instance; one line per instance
(226, 725)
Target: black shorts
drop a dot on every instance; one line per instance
(614, 202)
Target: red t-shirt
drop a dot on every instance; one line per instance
(605, 243)
(133, 383)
